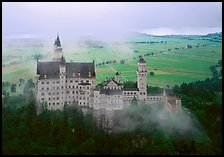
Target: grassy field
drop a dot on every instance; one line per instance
(173, 67)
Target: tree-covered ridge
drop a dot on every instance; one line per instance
(70, 132)
(140, 131)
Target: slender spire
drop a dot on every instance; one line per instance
(57, 41)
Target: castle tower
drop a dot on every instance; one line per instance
(117, 77)
(142, 80)
(62, 78)
(57, 49)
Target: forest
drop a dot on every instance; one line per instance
(71, 132)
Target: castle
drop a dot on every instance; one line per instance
(59, 82)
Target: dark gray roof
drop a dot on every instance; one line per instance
(131, 89)
(111, 91)
(112, 79)
(82, 68)
(57, 42)
(51, 69)
(141, 60)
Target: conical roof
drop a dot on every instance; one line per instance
(141, 60)
(57, 42)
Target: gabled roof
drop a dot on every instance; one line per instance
(112, 79)
(117, 73)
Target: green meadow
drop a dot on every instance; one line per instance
(170, 67)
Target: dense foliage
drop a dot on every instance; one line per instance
(70, 132)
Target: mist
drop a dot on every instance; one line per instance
(114, 21)
(150, 117)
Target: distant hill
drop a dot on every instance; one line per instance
(214, 37)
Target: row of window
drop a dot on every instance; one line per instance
(83, 103)
(112, 87)
(143, 74)
(130, 93)
(72, 92)
(71, 81)
(80, 87)
(54, 103)
(154, 98)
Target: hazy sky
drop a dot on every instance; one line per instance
(109, 19)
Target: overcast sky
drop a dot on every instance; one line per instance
(109, 19)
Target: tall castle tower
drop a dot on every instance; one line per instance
(142, 79)
(57, 49)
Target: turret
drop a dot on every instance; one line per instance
(62, 65)
(57, 49)
(117, 77)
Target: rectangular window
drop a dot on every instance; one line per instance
(49, 98)
(47, 82)
(42, 98)
(87, 81)
(71, 81)
(42, 88)
(57, 98)
(47, 88)
(58, 82)
(42, 93)
(61, 87)
(42, 82)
